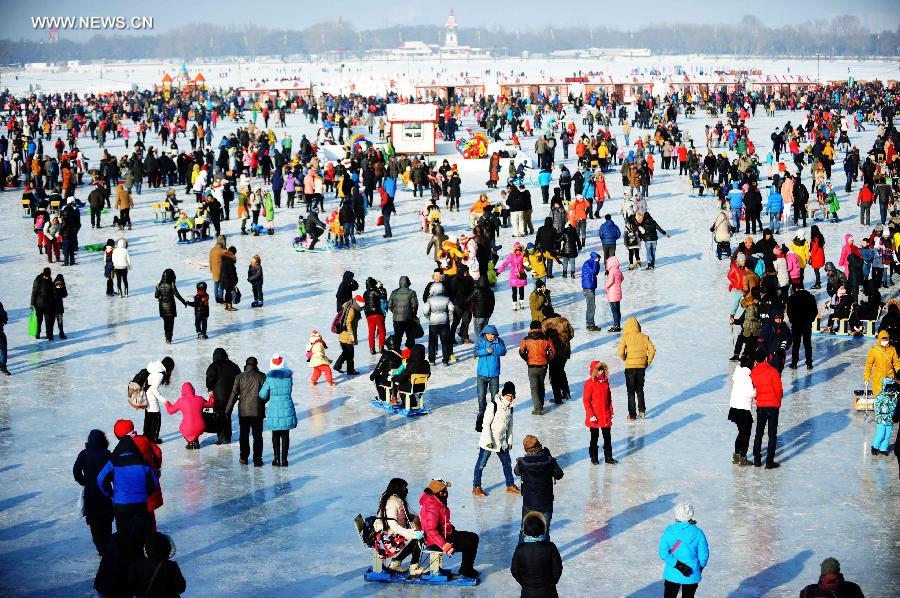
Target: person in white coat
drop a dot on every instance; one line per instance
(739, 412)
(160, 374)
(121, 262)
(399, 537)
(496, 437)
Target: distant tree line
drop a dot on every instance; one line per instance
(838, 36)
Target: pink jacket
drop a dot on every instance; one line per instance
(435, 518)
(793, 265)
(191, 406)
(515, 262)
(845, 253)
(614, 280)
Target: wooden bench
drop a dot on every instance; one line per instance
(55, 206)
(26, 206)
(162, 211)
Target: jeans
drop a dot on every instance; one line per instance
(387, 223)
(882, 208)
(137, 186)
(439, 332)
(487, 386)
(590, 306)
(616, 311)
(650, 250)
(581, 227)
(251, 424)
(865, 213)
(775, 221)
(481, 462)
(736, 218)
(478, 324)
(634, 385)
(566, 263)
(766, 415)
(548, 515)
(536, 375)
(593, 449)
(882, 436)
(218, 291)
(69, 246)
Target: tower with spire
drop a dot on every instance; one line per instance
(450, 39)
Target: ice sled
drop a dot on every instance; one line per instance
(411, 402)
(300, 245)
(863, 400)
(870, 327)
(197, 240)
(435, 575)
(94, 247)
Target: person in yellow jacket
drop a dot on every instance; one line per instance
(800, 246)
(451, 257)
(637, 351)
(536, 261)
(881, 362)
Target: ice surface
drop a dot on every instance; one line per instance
(290, 531)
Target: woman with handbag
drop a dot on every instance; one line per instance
(684, 549)
(518, 278)
(397, 532)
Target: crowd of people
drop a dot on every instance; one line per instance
(766, 282)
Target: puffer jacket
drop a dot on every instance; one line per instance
(497, 425)
(220, 376)
(90, 462)
(881, 362)
(348, 334)
(635, 348)
(438, 308)
(403, 303)
(483, 299)
(121, 260)
(609, 233)
(767, 382)
(372, 298)
(742, 390)
(191, 405)
(693, 551)
(597, 397)
(538, 472)
(154, 380)
(614, 280)
(245, 392)
(569, 242)
(536, 349)
(126, 477)
(166, 292)
(515, 261)
(276, 392)
(589, 271)
(316, 350)
(489, 363)
(435, 518)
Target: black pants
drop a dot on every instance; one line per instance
(223, 422)
(411, 549)
(439, 332)
(47, 317)
(152, 424)
(95, 217)
(109, 286)
(59, 325)
(281, 441)
(465, 543)
(461, 319)
(687, 590)
(607, 443)
(401, 329)
(608, 251)
(257, 293)
(804, 334)
(559, 382)
(132, 516)
(100, 533)
(744, 422)
(345, 356)
(764, 416)
(247, 425)
(168, 327)
(125, 217)
(518, 291)
(122, 280)
(634, 384)
(200, 325)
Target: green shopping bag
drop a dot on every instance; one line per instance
(32, 323)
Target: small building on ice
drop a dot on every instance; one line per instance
(534, 90)
(288, 91)
(464, 90)
(412, 128)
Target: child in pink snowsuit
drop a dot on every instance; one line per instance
(191, 406)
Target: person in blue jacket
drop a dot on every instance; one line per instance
(609, 234)
(589, 271)
(281, 417)
(129, 481)
(544, 182)
(488, 350)
(774, 207)
(684, 549)
(736, 201)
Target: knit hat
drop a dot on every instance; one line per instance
(531, 444)
(684, 512)
(801, 234)
(251, 361)
(123, 427)
(46, 271)
(70, 200)
(508, 389)
(535, 325)
(277, 361)
(406, 353)
(438, 486)
(830, 565)
(358, 299)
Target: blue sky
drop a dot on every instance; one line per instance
(522, 14)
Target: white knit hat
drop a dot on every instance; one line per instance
(277, 361)
(684, 512)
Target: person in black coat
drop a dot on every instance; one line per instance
(775, 339)
(228, 277)
(345, 290)
(416, 363)
(156, 576)
(539, 471)
(43, 300)
(59, 294)
(121, 551)
(166, 293)
(390, 360)
(536, 563)
(483, 302)
(71, 224)
(801, 311)
(98, 509)
(891, 323)
(220, 377)
(545, 240)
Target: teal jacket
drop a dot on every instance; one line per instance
(693, 551)
(280, 413)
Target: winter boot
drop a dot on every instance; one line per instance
(610, 461)
(735, 458)
(744, 462)
(478, 491)
(513, 490)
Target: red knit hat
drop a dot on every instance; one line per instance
(405, 353)
(359, 299)
(123, 427)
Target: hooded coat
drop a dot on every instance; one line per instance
(635, 348)
(88, 465)
(881, 363)
(614, 280)
(132, 480)
(121, 260)
(515, 261)
(597, 397)
(220, 377)
(589, 271)
(403, 303)
(154, 380)
(538, 471)
(191, 407)
(742, 389)
(438, 308)
(345, 290)
(276, 392)
(693, 551)
(489, 363)
(497, 426)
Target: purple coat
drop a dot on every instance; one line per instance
(290, 183)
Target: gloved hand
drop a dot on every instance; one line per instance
(783, 345)
(593, 418)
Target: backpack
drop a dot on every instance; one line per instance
(367, 531)
(137, 390)
(479, 419)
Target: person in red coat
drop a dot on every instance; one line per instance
(152, 454)
(767, 382)
(598, 411)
